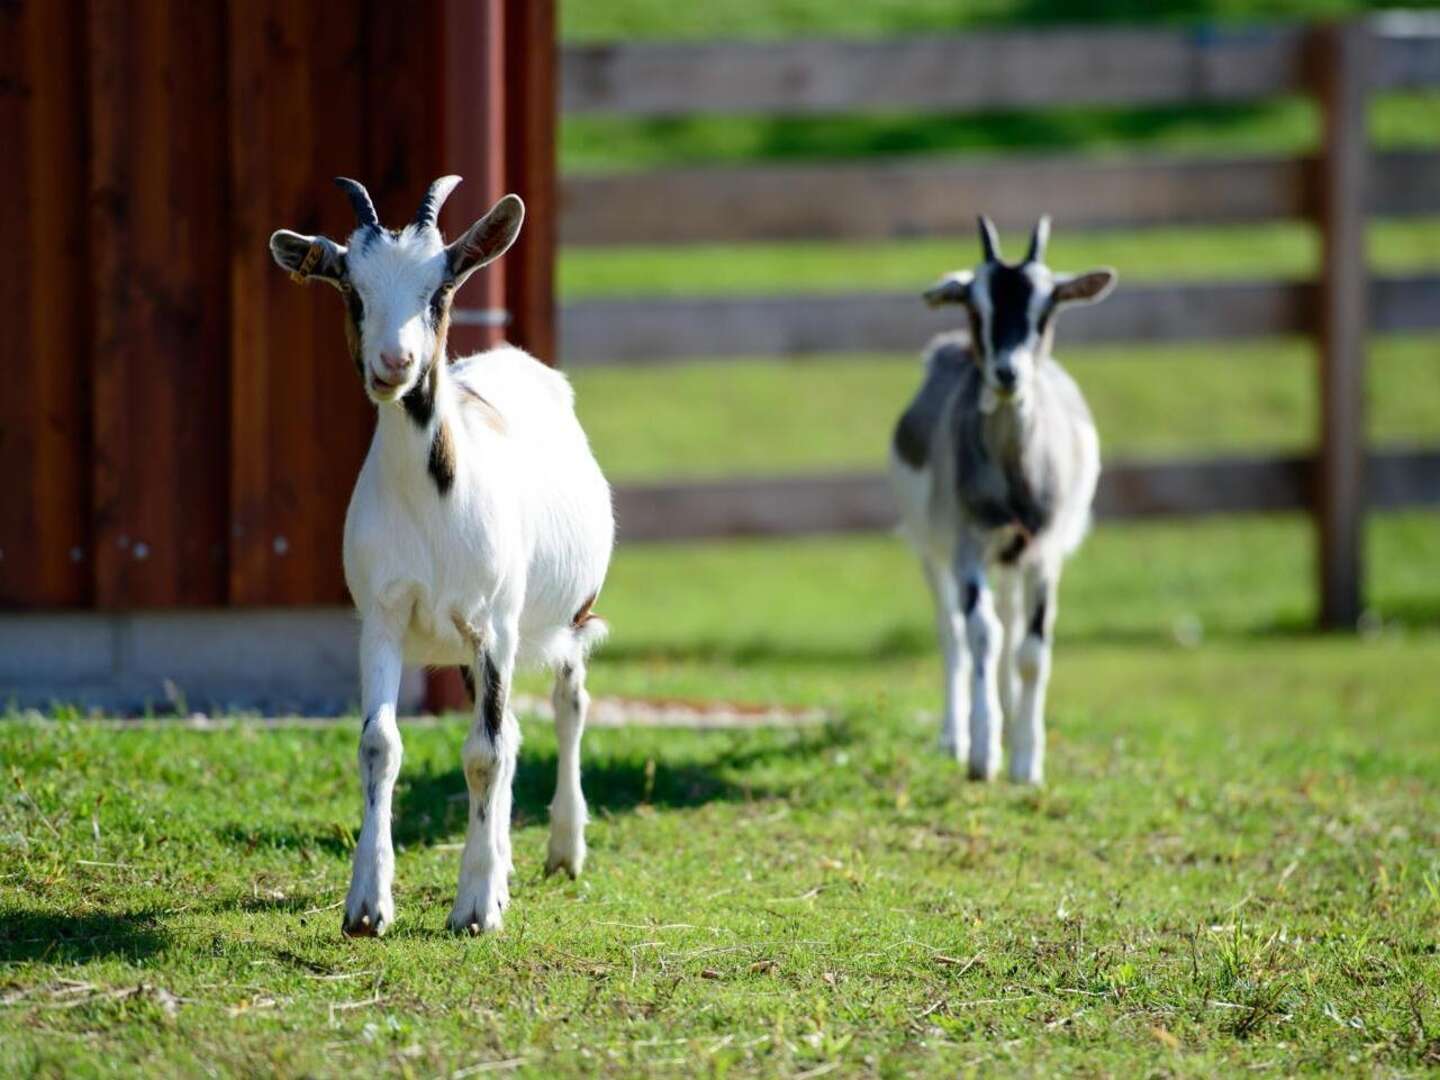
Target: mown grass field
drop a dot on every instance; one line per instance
(1234, 866)
(1236, 863)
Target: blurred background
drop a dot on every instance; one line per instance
(733, 209)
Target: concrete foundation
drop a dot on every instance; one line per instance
(293, 660)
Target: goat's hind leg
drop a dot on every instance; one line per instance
(568, 812)
(369, 906)
(488, 757)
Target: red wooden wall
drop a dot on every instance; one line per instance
(180, 424)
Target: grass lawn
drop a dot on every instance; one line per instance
(1236, 862)
(1235, 865)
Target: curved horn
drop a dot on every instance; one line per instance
(359, 200)
(1038, 239)
(435, 197)
(989, 242)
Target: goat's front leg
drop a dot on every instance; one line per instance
(568, 813)
(950, 631)
(488, 757)
(1027, 739)
(369, 907)
(983, 632)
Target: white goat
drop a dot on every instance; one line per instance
(479, 534)
(995, 463)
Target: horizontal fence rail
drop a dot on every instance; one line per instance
(914, 197)
(1010, 70)
(976, 71)
(811, 505)
(663, 329)
(1336, 66)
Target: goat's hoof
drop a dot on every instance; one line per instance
(566, 853)
(981, 772)
(364, 923)
(556, 863)
(477, 911)
(474, 923)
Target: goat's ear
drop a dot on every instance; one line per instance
(487, 239)
(951, 289)
(1088, 288)
(307, 257)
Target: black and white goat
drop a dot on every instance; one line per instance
(995, 463)
(479, 534)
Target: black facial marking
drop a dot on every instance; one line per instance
(368, 721)
(370, 793)
(480, 813)
(492, 707)
(972, 596)
(419, 402)
(1037, 620)
(1010, 293)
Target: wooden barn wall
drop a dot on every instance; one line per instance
(45, 553)
(182, 424)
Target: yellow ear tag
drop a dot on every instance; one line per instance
(308, 263)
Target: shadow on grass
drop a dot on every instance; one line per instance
(432, 805)
(79, 939)
(431, 801)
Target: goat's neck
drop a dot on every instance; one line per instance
(1006, 428)
(407, 428)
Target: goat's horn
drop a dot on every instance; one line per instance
(435, 197)
(1038, 239)
(989, 242)
(359, 200)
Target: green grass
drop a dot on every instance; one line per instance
(584, 20)
(1236, 863)
(599, 144)
(768, 416)
(1279, 249)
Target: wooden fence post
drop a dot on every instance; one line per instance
(1343, 64)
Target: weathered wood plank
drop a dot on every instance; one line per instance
(300, 422)
(1344, 52)
(908, 197)
(1407, 53)
(158, 282)
(45, 556)
(1014, 69)
(662, 329)
(800, 505)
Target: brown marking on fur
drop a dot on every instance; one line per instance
(468, 634)
(307, 264)
(442, 326)
(352, 339)
(584, 615)
(490, 416)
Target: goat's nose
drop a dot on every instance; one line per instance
(397, 363)
(1005, 376)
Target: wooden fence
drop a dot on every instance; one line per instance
(1340, 66)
